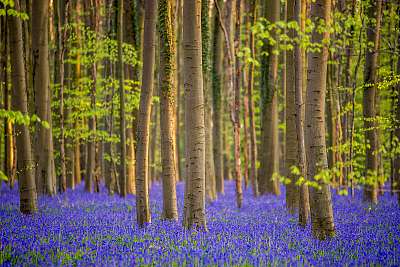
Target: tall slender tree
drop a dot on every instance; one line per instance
(252, 124)
(369, 99)
(142, 134)
(122, 132)
(25, 163)
(236, 108)
(269, 148)
(167, 109)
(205, 35)
(217, 99)
(44, 152)
(320, 197)
(194, 210)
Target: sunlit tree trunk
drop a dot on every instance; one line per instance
(269, 148)
(320, 198)
(25, 163)
(194, 210)
(369, 99)
(143, 120)
(44, 152)
(167, 109)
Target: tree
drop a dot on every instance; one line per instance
(252, 126)
(206, 60)
(396, 163)
(194, 210)
(217, 100)
(235, 116)
(292, 149)
(60, 8)
(25, 164)
(44, 152)
(92, 22)
(320, 196)
(269, 148)
(142, 134)
(122, 133)
(369, 99)
(302, 195)
(167, 109)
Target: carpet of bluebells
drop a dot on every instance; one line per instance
(82, 229)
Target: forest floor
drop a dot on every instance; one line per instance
(96, 229)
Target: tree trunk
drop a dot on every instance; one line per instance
(27, 188)
(142, 135)
(209, 158)
(235, 109)
(8, 127)
(217, 102)
(92, 22)
(60, 7)
(167, 109)
(320, 197)
(369, 105)
(396, 162)
(292, 148)
(302, 192)
(194, 210)
(122, 130)
(269, 154)
(252, 125)
(44, 152)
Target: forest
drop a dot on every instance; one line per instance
(199, 133)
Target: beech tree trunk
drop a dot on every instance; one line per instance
(369, 105)
(167, 109)
(122, 130)
(236, 108)
(210, 169)
(217, 77)
(25, 163)
(269, 148)
(320, 198)
(252, 125)
(142, 134)
(44, 152)
(194, 209)
(396, 162)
